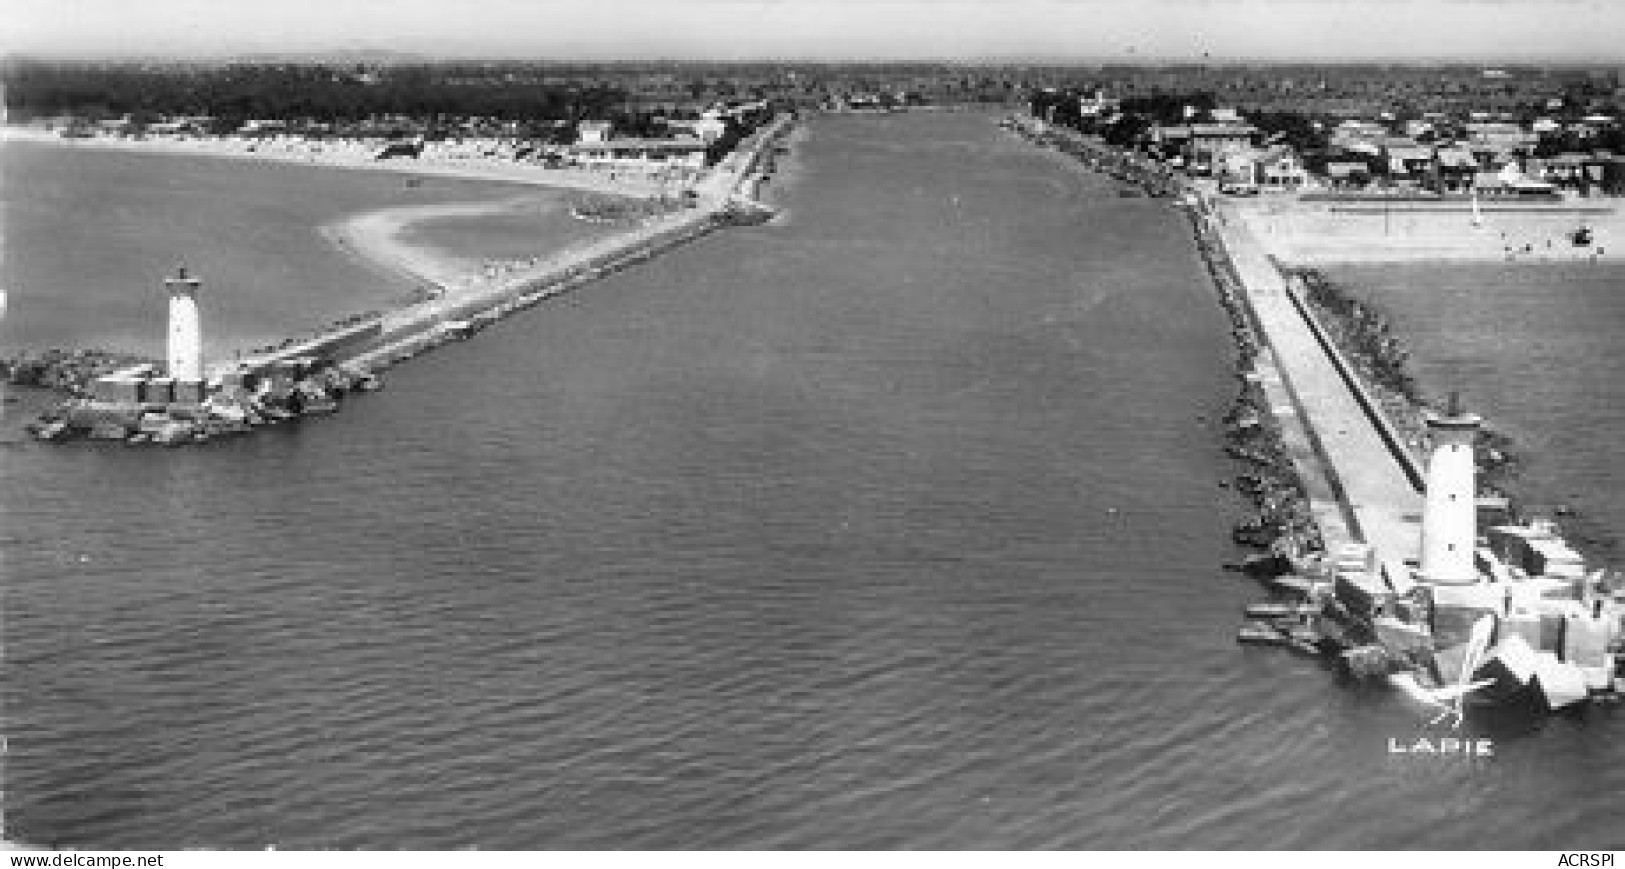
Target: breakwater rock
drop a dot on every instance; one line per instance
(623, 209)
(1282, 522)
(1363, 332)
(1141, 175)
(305, 376)
(68, 371)
(1366, 337)
(233, 409)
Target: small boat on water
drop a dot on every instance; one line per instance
(1274, 610)
(1302, 639)
(1262, 635)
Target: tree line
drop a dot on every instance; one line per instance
(1136, 115)
(319, 93)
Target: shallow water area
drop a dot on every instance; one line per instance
(537, 225)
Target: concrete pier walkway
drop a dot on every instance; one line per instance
(1379, 490)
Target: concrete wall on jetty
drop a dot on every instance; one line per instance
(1368, 463)
(331, 345)
(1269, 393)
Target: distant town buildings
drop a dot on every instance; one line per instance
(1510, 130)
(1548, 150)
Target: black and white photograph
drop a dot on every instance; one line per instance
(811, 425)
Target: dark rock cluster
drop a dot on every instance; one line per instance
(1141, 174)
(1282, 522)
(1365, 335)
(230, 411)
(69, 371)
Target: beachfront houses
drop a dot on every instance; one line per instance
(640, 154)
(707, 128)
(1281, 168)
(593, 132)
(1202, 149)
(1453, 170)
(596, 147)
(1273, 168)
(1208, 144)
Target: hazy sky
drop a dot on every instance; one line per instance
(1486, 30)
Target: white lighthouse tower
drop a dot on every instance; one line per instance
(1449, 517)
(185, 336)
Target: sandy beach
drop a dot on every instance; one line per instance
(1318, 233)
(359, 155)
(467, 254)
(449, 281)
(374, 237)
(443, 280)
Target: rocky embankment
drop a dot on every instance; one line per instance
(624, 209)
(311, 384)
(1282, 523)
(1140, 175)
(69, 371)
(230, 411)
(1365, 335)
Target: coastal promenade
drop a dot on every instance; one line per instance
(1374, 482)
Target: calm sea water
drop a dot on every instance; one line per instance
(894, 524)
(90, 235)
(538, 224)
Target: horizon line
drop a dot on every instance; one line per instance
(1206, 60)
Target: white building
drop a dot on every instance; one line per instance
(1449, 511)
(591, 132)
(641, 153)
(185, 356)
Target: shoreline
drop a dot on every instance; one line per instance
(472, 169)
(375, 238)
(310, 372)
(499, 290)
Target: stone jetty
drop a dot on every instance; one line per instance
(114, 398)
